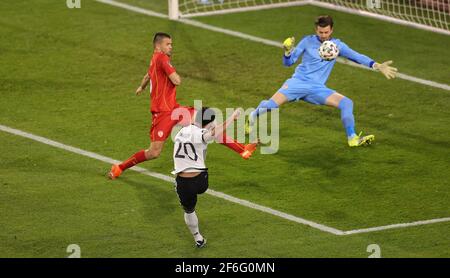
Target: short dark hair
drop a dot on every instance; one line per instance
(324, 21)
(206, 116)
(159, 36)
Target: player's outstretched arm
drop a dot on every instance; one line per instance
(143, 85)
(218, 131)
(385, 68)
(292, 52)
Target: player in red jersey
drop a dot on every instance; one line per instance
(166, 112)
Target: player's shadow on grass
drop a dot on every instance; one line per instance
(154, 196)
(397, 135)
(324, 158)
(422, 141)
(400, 134)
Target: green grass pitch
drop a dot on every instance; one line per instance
(70, 75)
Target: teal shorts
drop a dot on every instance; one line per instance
(295, 89)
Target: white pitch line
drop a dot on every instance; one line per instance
(218, 194)
(276, 213)
(396, 226)
(133, 8)
(259, 40)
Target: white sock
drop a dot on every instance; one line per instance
(192, 223)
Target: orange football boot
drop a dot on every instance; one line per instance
(115, 172)
(248, 151)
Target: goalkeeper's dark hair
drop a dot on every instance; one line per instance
(159, 37)
(324, 21)
(206, 116)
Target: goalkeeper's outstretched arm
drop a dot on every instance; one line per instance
(385, 68)
(291, 53)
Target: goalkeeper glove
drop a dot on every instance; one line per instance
(388, 71)
(288, 46)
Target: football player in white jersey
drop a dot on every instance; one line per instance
(189, 155)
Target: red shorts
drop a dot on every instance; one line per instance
(163, 122)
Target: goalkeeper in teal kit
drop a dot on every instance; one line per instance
(308, 81)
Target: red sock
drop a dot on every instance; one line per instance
(133, 160)
(232, 144)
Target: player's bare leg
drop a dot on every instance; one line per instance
(334, 99)
(152, 152)
(155, 150)
(279, 98)
(346, 106)
(275, 101)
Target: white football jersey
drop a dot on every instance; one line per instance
(189, 152)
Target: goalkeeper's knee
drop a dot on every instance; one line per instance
(263, 107)
(346, 106)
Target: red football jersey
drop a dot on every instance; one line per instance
(163, 91)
